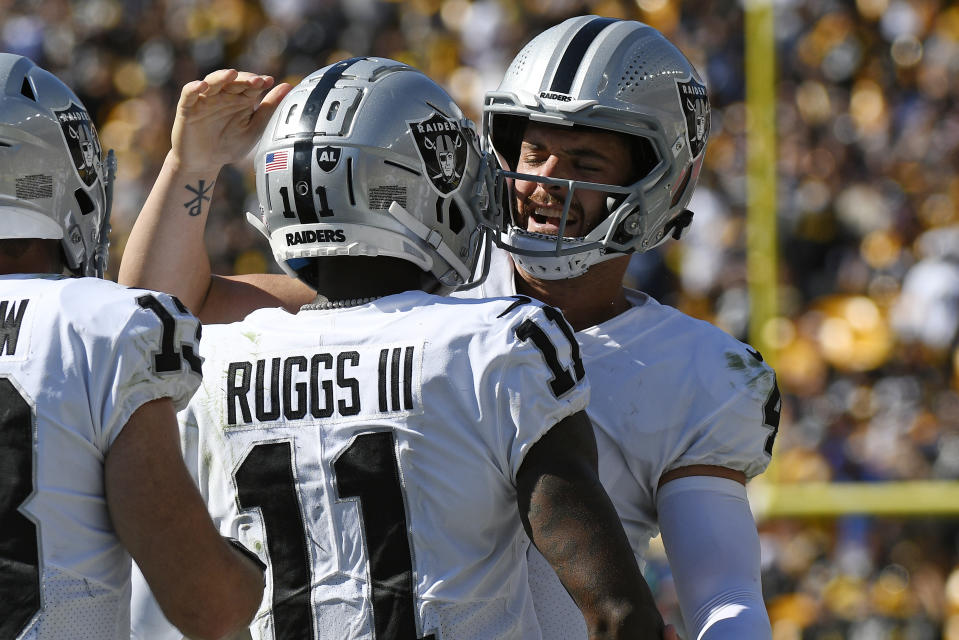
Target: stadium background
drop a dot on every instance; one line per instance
(863, 327)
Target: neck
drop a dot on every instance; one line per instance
(344, 278)
(30, 255)
(587, 300)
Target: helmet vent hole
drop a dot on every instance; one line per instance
(291, 113)
(635, 72)
(27, 90)
(331, 113)
(83, 201)
(519, 63)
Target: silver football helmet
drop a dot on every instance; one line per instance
(617, 76)
(53, 182)
(370, 157)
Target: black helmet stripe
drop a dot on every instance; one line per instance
(303, 149)
(575, 50)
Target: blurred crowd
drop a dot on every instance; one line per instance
(868, 220)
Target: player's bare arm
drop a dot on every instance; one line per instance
(218, 121)
(204, 586)
(566, 511)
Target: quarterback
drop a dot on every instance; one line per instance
(601, 126)
(384, 449)
(91, 374)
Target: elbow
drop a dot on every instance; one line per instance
(213, 627)
(624, 619)
(223, 619)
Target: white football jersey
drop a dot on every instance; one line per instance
(669, 391)
(77, 358)
(369, 456)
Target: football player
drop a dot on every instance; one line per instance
(384, 448)
(602, 125)
(91, 374)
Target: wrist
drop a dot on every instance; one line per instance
(178, 166)
(250, 555)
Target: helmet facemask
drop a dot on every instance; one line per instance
(610, 76)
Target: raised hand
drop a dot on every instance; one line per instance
(220, 118)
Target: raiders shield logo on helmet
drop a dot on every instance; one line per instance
(328, 157)
(695, 105)
(82, 141)
(443, 150)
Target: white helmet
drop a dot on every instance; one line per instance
(617, 76)
(53, 183)
(370, 157)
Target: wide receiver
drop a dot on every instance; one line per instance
(91, 374)
(384, 448)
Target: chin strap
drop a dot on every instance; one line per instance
(431, 237)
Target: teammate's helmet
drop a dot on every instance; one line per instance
(370, 157)
(616, 76)
(53, 182)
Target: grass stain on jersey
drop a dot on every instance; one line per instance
(207, 462)
(252, 336)
(755, 370)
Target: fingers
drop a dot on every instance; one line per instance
(228, 90)
(219, 79)
(191, 92)
(269, 104)
(233, 82)
(250, 85)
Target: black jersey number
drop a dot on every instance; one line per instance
(563, 379)
(19, 544)
(772, 408)
(368, 471)
(167, 359)
(771, 411)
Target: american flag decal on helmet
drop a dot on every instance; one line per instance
(276, 161)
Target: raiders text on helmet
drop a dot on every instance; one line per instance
(618, 76)
(369, 156)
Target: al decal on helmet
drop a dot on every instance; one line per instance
(443, 150)
(695, 105)
(82, 141)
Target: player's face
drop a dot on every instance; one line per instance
(559, 152)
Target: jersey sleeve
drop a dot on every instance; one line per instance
(538, 377)
(155, 354)
(737, 419)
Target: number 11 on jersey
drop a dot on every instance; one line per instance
(367, 472)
